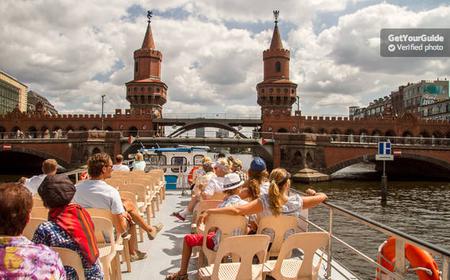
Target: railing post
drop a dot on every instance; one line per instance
(400, 264)
(330, 251)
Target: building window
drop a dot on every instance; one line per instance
(136, 66)
(277, 66)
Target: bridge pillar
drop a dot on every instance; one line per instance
(85, 144)
(276, 155)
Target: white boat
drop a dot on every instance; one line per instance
(177, 162)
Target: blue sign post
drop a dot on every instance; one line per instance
(384, 153)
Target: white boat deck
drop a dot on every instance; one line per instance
(164, 253)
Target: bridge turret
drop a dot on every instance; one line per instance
(276, 93)
(146, 92)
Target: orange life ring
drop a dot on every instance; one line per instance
(417, 258)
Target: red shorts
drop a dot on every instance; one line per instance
(193, 240)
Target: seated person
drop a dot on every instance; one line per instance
(200, 183)
(68, 226)
(232, 182)
(19, 257)
(49, 167)
(139, 163)
(96, 193)
(257, 182)
(215, 184)
(119, 166)
(276, 201)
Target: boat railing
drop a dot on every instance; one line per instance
(400, 267)
(75, 174)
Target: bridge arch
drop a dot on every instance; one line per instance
(376, 132)
(424, 134)
(195, 125)
(282, 130)
(32, 132)
(36, 153)
(405, 156)
(390, 132)
(2, 132)
(407, 133)
(322, 131)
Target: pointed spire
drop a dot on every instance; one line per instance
(276, 38)
(148, 39)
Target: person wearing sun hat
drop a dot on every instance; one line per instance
(68, 226)
(231, 184)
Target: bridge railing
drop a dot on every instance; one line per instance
(212, 116)
(363, 139)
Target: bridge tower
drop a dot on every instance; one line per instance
(276, 93)
(146, 92)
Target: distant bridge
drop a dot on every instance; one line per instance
(323, 152)
(194, 123)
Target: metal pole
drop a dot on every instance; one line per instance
(298, 114)
(103, 106)
(384, 185)
(330, 251)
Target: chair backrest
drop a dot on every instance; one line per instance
(39, 212)
(206, 204)
(37, 202)
(104, 229)
(102, 213)
(245, 248)
(138, 189)
(228, 225)
(278, 225)
(31, 227)
(72, 259)
(309, 243)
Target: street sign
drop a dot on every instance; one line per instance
(384, 148)
(384, 157)
(384, 151)
(6, 147)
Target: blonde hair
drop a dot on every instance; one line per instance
(139, 157)
(254, 182)
(224, 164)
(278, 181)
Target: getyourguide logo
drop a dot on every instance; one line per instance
(415, 42)
(412, 38)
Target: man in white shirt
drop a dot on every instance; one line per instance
(119, 166)
(49, 167)
(215, 184)
(96, 193)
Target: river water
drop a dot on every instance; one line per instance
(419, 208)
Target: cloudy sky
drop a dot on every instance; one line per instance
(72, 52)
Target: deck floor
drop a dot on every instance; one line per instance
(164, 253)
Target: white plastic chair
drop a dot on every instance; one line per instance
(107, 251)
(227, 224)
(72, 259)
(295, 268)
(31, 227)
(245, 248)
(279, 225)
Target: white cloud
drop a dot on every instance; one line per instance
(59, 47)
